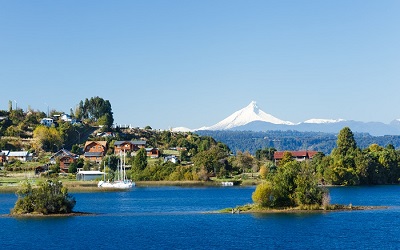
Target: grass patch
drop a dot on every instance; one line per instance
(171, 152)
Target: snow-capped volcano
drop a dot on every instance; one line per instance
(252, 118)
(249, 114)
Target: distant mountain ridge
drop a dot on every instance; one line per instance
(252, 118)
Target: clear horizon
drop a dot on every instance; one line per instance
(192, 64)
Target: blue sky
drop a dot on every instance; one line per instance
(193, 63)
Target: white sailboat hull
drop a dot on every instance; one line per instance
(116, 184)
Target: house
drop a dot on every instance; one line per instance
(47, 122)
(128, 146)
(105, 134)
(296, 155)
(19, 155)
(66, 118)
(95, 150)
(42, 169)
(171, 158)
(65, 157)
(152, 152)
(89, 175)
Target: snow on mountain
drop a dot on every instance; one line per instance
(323, 121)
(181, 129)
(252, 118)
(244, 116)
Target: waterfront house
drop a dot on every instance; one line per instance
(65, 158)
(89, 175)
(296, 155)
(95, 150)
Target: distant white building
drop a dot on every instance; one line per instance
(171, 158)
(89, 175)
(19, 155)
(66, 118)
(47, 122)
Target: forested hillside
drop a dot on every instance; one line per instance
(292, 140)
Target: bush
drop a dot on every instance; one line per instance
(264, 195)
(50, 197)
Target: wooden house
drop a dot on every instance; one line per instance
(153, 152)
(95, 150)
(128, 146)
(65, 158)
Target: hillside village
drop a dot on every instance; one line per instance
(60, 143)
(86, 141)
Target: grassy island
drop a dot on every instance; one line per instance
(48, 198)
(253, 208)
(292, 188)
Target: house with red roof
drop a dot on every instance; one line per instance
(296, 155)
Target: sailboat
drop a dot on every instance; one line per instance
(122, 182)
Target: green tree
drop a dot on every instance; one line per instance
(245, 161)
(287, 157)
(265, 154)
(264, 195)
(76, 149)
(111, 161)
(73, 168)
(96, 109)
(140, 160)
(210, 160)
(263, 172)
(46, 138)
(294, 184)
(346, 143)
(307, 191)
(87, 165)
(344, 170)
(50, 197)
(285, 185)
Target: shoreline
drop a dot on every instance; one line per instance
(336, 208)
(90, 186)
(40, 215)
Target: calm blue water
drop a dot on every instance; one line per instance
(173, 218)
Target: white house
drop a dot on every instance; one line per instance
(66, 118)
(47, 122)
(19, 155)
(172, 158)
(89, 175)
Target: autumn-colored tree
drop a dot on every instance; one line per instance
(46, 138)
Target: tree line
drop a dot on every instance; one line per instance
(293, 140)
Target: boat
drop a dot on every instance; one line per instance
(227, 183)
(122, 182)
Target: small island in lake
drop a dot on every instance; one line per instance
(48, 198)
(292, 188)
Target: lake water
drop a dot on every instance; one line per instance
(174, 218)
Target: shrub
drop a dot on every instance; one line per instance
(263, 195)
(50, 197)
